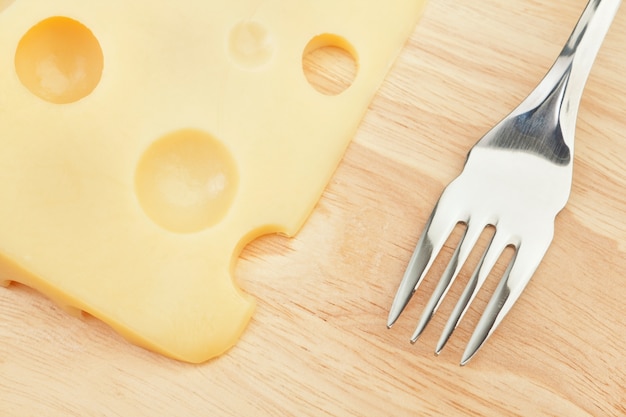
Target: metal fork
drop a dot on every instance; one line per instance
(517, 178)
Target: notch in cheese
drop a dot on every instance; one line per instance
(144, 143)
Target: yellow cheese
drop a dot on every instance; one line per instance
(144, 143)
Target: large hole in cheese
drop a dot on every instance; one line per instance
(186, 181)
(59, 60)
(330, 64)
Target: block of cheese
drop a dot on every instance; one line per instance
(145, 142)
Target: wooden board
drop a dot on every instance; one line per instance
(318, 345)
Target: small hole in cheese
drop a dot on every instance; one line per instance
(186, 181)
(59, 60)
(330, 64)
(251, 45)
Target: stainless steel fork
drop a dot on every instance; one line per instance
(517, 178)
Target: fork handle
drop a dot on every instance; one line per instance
(572, 67)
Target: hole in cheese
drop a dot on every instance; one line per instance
(186, 181)
(251, 45)
(330, 64)
(59, 60)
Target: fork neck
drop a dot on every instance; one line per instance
(572, 67)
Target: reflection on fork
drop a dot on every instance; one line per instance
(517, 178)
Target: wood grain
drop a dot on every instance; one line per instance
(318, 345)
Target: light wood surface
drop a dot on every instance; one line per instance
(318, 345)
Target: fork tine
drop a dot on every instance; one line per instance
(435, 234)
(461, 253)
(510, 287)
(485, 265)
